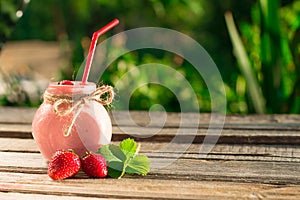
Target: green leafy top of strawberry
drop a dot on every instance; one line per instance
(124, 159)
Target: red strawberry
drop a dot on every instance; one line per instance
(94, 165)
(63, 164)
(65, 82)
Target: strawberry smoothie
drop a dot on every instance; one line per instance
(65, 121)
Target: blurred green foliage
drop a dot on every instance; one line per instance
(274, 61)
(272, 44)
(8, 17)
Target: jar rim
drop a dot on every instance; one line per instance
(76, 88)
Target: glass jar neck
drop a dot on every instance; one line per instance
(77, 88)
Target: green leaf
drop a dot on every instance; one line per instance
(115, 169)
(128, 146)
(124, 159)
(138, 165)
(112, 153)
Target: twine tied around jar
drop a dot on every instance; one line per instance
(65, 104)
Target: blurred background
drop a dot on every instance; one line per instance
(254, 43)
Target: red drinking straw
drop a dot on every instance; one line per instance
(93, 46)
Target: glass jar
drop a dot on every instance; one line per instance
(72, 117)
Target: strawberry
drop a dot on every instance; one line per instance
(63, 164)
(65, 82)
(94, 165)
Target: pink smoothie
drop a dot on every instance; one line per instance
(91, 128)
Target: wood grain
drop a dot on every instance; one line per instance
(183, 135)
(284, 153)
(21, 196)
(142, 188)
(142, 118)
(256, 157)
(274, 172)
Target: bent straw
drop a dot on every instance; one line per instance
(93, 46)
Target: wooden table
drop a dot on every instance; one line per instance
(256, 157)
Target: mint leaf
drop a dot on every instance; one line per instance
(128, 146)
(124, 159)
(138, 165)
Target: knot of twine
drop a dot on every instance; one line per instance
(65, 104)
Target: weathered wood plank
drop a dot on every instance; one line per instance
(202, 120)
(226, 136)
(237, 171)
(106, 187)
(120, 118)
(280, 129)
(183, 135)
(258, 157)
(18, 145)
(22, 196)
(16, 115)
(182, 168)
(142, 188)
(15, 130)
(282, 153)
